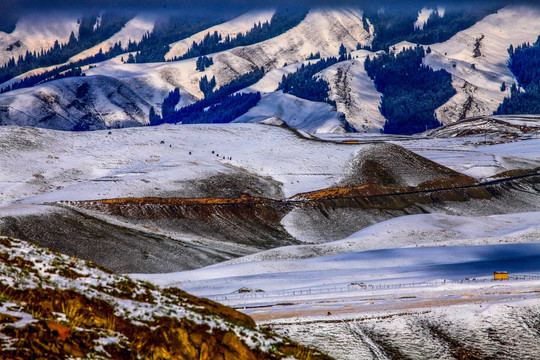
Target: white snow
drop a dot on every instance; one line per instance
(388, 266)
(133, 162)
(270, 81)
(512, 25)
(321, 31)
(355, 93)
(310, 116)
(232, 28)
(37, 32)
(417, 230)
(133, 30)
(423, 16)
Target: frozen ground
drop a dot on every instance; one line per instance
(134, 162)
(476, 156)
(414, 303)
(495, 327)
(423, 302)
(318, 274)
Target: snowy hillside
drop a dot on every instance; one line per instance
(139, 165)
(310, 116)
(36, 32)
(232, 28)
(133, 31)
(257, 176)
(355, 93)
(477, 78)
(417, 231)
(321, 30)
(55, 306)
(83, 103)
(476, 57)
(127, 157)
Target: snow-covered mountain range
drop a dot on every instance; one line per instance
(116, 93)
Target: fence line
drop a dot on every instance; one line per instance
(359, 287)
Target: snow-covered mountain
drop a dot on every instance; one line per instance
(321, 31)
(475, 57)
(230, 28)
(133, 31)
(83, 103)
(36, 32)
(477, 78)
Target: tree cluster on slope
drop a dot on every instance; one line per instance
(71, 69)
(305, 85)
(154, 45)
(225, 111)
(280, 22)
(219, 106)
(89, 35)
(525, 65)
(207, 86)
(394, 26)
(411, 91)
(170, 102)
(203, 62)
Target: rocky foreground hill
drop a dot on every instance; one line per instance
(54, 307)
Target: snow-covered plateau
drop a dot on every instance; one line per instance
(317, 273)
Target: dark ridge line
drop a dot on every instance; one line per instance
(291, 201)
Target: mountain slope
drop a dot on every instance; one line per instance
(354, 93)
(321, 30)
(83, 103)
(231, 28)
(422, 230)
(477, 59)
(132, 31)
(36, 32)
(55, 306)
(309, 116)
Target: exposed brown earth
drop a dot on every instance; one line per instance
(233, 227)
(71, 320)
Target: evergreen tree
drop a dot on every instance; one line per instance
(203, 62)
(392, 27)
(303, 84)
(60, 53)
(281, 21)
(170, 102)
(154, 119)
(207, 86)
(342, 52)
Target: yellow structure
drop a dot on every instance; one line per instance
(500, 275)
(350, 142)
